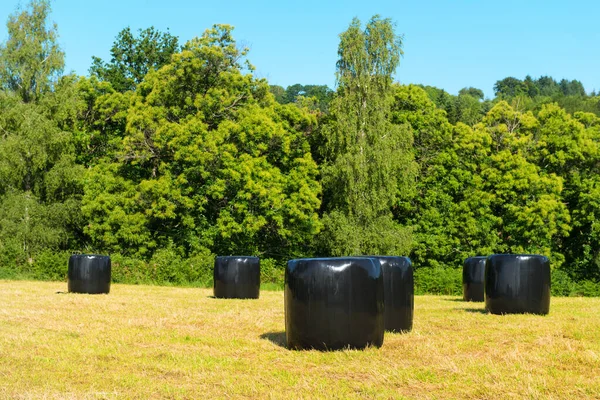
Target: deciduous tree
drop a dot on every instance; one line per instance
(133, 57)
(369, 160)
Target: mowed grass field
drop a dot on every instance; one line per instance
(164, 342)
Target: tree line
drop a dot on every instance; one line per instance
(168, 154)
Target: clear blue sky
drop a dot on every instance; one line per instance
(447, 43)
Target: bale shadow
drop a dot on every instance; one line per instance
(474, 310)
(277, 338)
(457, 300)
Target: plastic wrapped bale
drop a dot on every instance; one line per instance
(473, 279)
(398, 293)
(89, 273)
(517, 283)
(236, 277)
(334, 303)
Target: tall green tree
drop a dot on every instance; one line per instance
(40, 183)
(279, 93)
(369, 163)
(133, 57)
(466, 109)
(208, 160)
(450, 214)
(569, 146)
(102, 120)
(510, 87)
(31, 60)
(479, 190)
(526, 196)
(471, 91)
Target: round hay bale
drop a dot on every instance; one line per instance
(517, 283)
(236, 277)
(334, 303)
(89, 273)
(398, 293)
(473, 279)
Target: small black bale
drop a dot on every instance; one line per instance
(89, 273)
(473, 279)
(334, 303)
(517, 284)
(398, 293)
(236, 277)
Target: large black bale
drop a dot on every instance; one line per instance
(334, 303)
(398, 293)
(517, 283)
(89, 273)
(236, 277)
(474, 278)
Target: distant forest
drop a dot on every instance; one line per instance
(171, 153)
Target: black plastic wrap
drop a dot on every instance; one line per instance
(517, 283)
(89, 273)
(398, 293)
(236, 277)
(334, 303)
(474, 279)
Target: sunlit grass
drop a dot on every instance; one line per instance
(166, 342)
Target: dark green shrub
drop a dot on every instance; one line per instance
(561, 284)
(586, 288)
(272, 272)
(51, 265)
(199, 268)
(444, 281)
(12, 260)
(165, 266)
(128, 270)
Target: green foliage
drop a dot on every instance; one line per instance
(51, 265)
(207, 160)
(526, 197)
(100, 121)
(368, 159)
(128, 270)
(320, 95)
(450, 215)
(510, 87)
(12, 259)
(563, 285)
(30, 60)
(477, 192)
(133, 57)
(40, 183)
(166, 267)
(532, 94)
(167, 156)
(471, 91)
(443, 281)
(344, 236)
(272, 271)
(569, 147)
(586, 288)
(468, 107)
(279, 93)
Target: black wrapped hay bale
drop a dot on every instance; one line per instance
(398, 293)
(473, 279)
(89, 273)
(334, 303)
(517, 283)
(236, 277)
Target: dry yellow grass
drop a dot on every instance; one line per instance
(163, 342)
